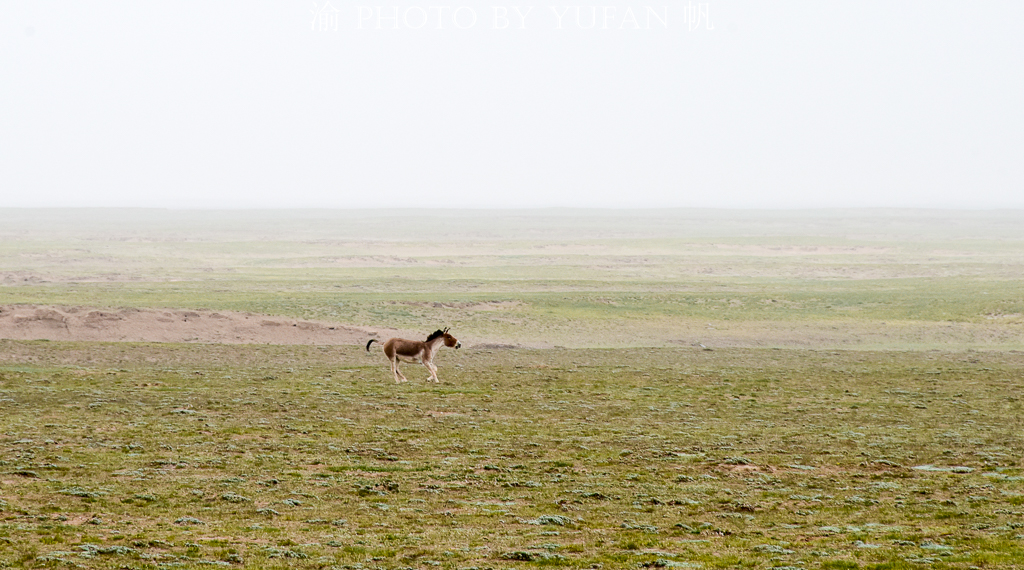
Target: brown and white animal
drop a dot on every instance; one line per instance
(416, 351)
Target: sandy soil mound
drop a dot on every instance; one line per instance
(37, 322)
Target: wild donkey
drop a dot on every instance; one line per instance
(416, 351)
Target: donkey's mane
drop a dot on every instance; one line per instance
(435, 334)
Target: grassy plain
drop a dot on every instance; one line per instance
(127, 455)
(860, 409)
(857, 279)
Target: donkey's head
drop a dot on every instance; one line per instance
(449, 340)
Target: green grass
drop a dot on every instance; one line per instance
(882, 431)
(521, 458)
(905, 280)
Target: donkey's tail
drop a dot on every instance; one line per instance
(372, 340)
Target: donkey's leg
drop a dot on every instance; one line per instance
(398, 374)
(433, 371)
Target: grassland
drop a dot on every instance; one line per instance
(881, 280)
(860, 407)
(124, 455)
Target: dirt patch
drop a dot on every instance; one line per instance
(495, 346)
(44, 322)
(481, 306)
(776, 250)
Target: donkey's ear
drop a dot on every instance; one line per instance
(445, 330)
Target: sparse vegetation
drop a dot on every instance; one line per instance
(912, 280)
(650, 452)
(628, 457)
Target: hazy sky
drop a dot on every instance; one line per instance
(661, 103)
